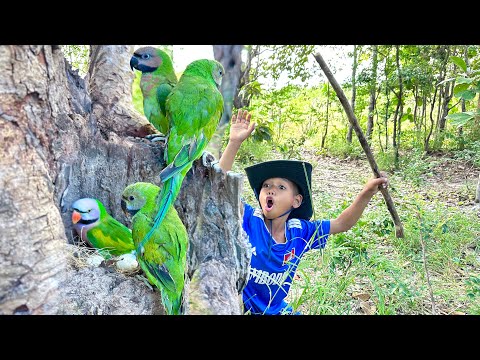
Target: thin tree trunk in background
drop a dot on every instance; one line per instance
(387, 97)
(249, 73)
(377, 121)
(354, 91)
(387, 105)
(363, 141)
(446, 96)
(426, 146)
(461, 139)
(326, 119)
(230, 56)
(400, 102)
(373, 84)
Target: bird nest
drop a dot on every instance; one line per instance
(82, 255)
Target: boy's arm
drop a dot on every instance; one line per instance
(240, 129)
(350, 215)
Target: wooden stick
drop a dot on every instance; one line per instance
(363, 141)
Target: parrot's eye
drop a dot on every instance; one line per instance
(131, 198)
(89, 210)
(145, 56)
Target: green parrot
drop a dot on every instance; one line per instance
(99, 229)
(164, 260)
(157, 81)
(193, 108)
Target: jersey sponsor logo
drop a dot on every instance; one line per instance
(288, 256)
(265, 278)
(294, 223)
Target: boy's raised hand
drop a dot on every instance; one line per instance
(241, 127)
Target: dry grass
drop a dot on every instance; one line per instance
(80, 255)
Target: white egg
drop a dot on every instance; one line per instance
(94, 260)
(127, 262)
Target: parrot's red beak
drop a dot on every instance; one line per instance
(76, 216)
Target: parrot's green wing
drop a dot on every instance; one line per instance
(193, 113)
(154, 107)
(162, 92)
(111, 235)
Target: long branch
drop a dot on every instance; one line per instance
(363, 141)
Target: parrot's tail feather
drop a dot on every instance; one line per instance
(167, 196)
(162, 275)
(172, 304)
(172, 170)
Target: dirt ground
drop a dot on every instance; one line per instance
(450, 181)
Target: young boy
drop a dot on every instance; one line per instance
(280, 231)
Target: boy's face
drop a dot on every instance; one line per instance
(277, 196)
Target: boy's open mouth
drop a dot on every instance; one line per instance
(269, 201)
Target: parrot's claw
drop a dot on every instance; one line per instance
(207, 158)
(156, 137)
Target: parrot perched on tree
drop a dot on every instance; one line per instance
(99, 229)
(194, 108)
(157, 81)
(164, 260)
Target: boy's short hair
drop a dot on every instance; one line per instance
(299, 172)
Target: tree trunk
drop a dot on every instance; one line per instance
(66, 138)
(230, 56)
(354, 91)
(373, 84)
(324, 136)
(397, 133)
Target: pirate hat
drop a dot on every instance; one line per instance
(300, 172)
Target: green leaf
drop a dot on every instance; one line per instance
(466, 95)
(460, 88)
(459, 62)
(463, 80)
(460, 119)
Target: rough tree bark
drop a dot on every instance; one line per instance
(230, 56)
(63, 138)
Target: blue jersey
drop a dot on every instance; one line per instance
(273, 265)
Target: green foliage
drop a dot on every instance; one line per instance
(291, 59)
(339, 147)
(467, 86)
(471, 153)
(251, 152)
(77, 56)
(137, 96)
(414, 167)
